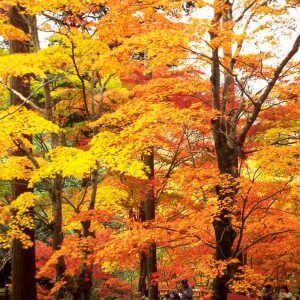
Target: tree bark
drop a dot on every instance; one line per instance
(57, 235)
(150, 215)
(143, 273)
(23, 260)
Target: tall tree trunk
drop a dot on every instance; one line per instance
(224, 236)
(143, 257)
(56, 195)
(150, 215)
(57, 234)
(23, 260)
(226, 157)
(143, 273)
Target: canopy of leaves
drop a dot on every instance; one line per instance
(132, 78)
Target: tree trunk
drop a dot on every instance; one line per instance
(150, 215)
(23, 260)
(143, 257)
(143, 273)
(226, 152)
(57, 235)
(224, 233)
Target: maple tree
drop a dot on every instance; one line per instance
(145, 112)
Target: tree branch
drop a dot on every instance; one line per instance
(267, 91)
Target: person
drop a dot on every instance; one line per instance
(285, 294)
(186, 290)
(267, 293)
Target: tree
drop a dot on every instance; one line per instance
(228, 132)
(23, 259)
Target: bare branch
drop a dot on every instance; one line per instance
(267, 91)
(263, 238)
(24, 99)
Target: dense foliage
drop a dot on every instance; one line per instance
(162, 134)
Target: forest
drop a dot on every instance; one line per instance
(143, 142)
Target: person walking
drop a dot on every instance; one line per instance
(186, 290)
(267, 293)
(285, 294)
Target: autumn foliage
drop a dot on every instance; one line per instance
(210, 88)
